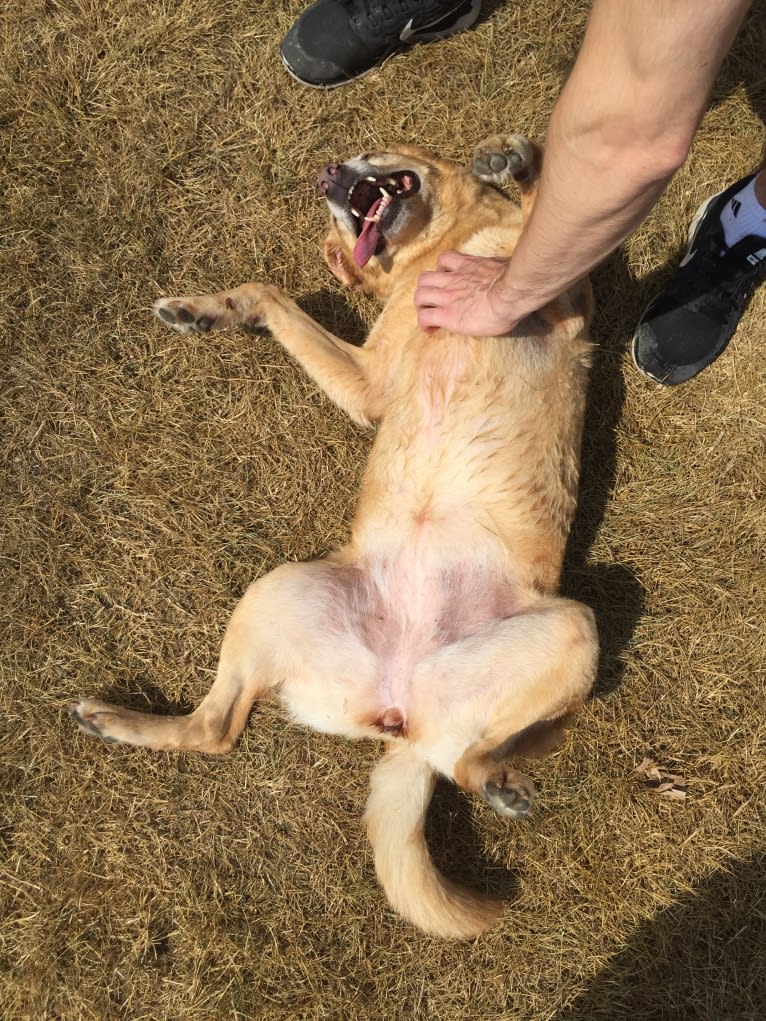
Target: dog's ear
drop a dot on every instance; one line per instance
(339, 262)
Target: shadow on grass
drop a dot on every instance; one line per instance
(144, 696)
(455, 850)
(331, 310)
(613, 591)
(704, 959)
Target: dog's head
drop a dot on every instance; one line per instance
(384, 209)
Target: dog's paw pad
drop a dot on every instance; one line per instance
(165, 315)
(501, 157)
(491, 164)
(183, 315)
(512, 799)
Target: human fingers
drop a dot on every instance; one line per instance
(430, 290)
(450, 260)
(431, 318)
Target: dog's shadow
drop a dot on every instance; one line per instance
(331, 310)
(451, 838)
(612, 590)
(141, 694)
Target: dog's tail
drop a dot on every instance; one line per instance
(401, 789)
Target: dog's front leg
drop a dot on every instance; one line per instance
(502, 158)
(339, 368)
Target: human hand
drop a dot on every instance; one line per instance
(465, 294)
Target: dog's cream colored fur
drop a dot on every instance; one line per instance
(438, 628)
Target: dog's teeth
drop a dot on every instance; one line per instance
(355, 212)
(373, 179)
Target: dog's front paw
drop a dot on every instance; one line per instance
(501, 157)
(509, 793)
(198, 314)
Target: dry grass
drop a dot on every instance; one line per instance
(154, 148)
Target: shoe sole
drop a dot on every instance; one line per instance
(334, 85)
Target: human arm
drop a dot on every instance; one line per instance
(620, 129)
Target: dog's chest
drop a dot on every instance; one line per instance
(443, 452)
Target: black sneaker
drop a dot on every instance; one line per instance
(686, 326)
(335, 41)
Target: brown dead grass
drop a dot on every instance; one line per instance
(160, 148)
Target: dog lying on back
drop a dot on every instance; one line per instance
(438, 628)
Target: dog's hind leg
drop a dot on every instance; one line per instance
(522, 679)
(502, 158)
(339, 368)
(261, 636)
(551, 673)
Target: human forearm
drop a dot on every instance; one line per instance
(581, 215)
(620, 129)
(609, 155)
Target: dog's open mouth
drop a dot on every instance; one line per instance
(371, 201)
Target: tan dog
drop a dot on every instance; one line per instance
(437, 628)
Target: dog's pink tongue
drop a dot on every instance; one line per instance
(367, 242)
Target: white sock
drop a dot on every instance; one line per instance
(743, 214)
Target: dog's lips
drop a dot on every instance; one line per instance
(368, 200)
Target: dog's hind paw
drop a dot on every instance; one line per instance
(93, 718)
(511, 795)
(501, 158)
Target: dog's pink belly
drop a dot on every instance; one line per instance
(401, 615)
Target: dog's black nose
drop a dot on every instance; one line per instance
(328, 177)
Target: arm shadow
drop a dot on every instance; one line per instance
(703, 959)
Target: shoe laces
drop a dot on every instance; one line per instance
(712, 276)
(382, 14)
